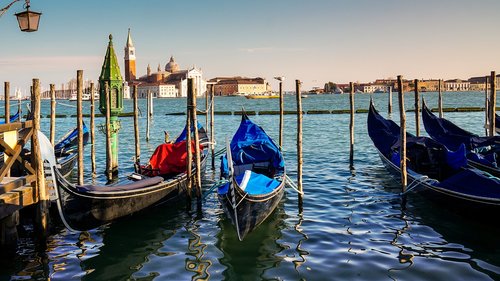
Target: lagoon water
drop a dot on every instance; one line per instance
(352, 226)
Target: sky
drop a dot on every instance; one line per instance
(315, 41)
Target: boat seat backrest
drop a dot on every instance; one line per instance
(259, 167)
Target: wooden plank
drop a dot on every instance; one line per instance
(15, 126)
(11, 183)
(16, 200)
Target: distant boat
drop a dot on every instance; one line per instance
(263, 96)
(85, 96)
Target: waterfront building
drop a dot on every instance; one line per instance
(455, 85)
(226, 86)
(431, 85)
(375, 88)
(478, 83)
(168, 83)
(130, 70)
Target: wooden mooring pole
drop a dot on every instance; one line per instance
(92, 130)
(389, 106)
(486, 108)
(282, 110)
(189, 162)
(402, 148)
(79, 122)
(493, 99)
(7, 101)
(109, 167)
(136, 128)
(42, 210)
(52, 114)
(192, 90)
(440, 98)
(417, 108)
(11, 137)
(351, 126)
(212, 127)
(299, 138)
(148, 119)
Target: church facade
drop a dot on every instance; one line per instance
(168, 83)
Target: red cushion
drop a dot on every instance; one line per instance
(170, 158)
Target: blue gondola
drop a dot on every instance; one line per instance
(482, 152)
(434, 170)
(13, 118)
(254, 169)
(66, 150)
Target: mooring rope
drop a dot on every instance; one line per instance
(213, 187)
(416, 182)
(291, 184)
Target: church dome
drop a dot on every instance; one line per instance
(172, 66)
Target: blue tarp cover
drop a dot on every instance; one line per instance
(68, 141)
(182, 136)
(257, 184)
(480, 149)
(251, 144)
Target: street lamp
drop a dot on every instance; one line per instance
(28, 20)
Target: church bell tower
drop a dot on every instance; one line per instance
(129, 60)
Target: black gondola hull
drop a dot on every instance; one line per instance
(251, 211)
(467, 205)
(83, 210)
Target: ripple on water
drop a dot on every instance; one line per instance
(353, 225)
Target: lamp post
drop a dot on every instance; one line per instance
(28, 20)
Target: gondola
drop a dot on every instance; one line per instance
(254, 169)
(433, 170)
(66, 150)
(88, 206)
(497, 123)
(12, 119)
(482, 152)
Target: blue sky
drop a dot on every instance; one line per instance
(315, 41)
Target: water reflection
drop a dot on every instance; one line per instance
(198, 264)
(301, 252)
(126, 244)
(431, 230)
(251, 258)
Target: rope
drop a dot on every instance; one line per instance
(213, 187)
(416, 182)
(68, 105)
(291, 184)
(220, 152)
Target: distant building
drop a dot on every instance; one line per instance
(455, 85)
(429, 85)
(375, 88)
(479, 83)
(226, 86)
(168, 83)
(130, 70)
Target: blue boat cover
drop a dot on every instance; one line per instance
(479, 149)
(257, 184)
(13, 118)
(451, 135)
(251, 144)
(455, 176)
(68, 142)
(182, 136)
